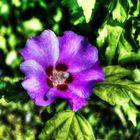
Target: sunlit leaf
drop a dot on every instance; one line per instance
(67, 125)
(137, 8)
(118, 34)
(116, 90)
(136, 75)
(114, 38)
(12, 41)
(12, 59)
(138, 39)
(125, 51)
(58, 15)
(16, 3)
(87, 6)
(4, 8)
(110, 35)
(119, 91)
(113, 92)
(120, 12)
(32, 24)
(117, 72)
(131, 111)
(77, 16)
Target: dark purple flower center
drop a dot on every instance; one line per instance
(58, 77)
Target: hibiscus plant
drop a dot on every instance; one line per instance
(70, 69)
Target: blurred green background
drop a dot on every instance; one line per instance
(21, 19)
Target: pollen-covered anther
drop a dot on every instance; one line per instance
(58, 77)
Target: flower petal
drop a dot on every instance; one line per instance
(43, 48)
(75, 101)
(84, 81)
(35, 82)
(41, 102)
(76, 52)
(37, 91)
(82, 89)
(32, 68)
(95, 73)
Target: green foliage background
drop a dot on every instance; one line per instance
(112, 26)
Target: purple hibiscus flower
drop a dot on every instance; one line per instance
(60, 67)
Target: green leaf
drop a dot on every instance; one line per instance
(117, 90)
(134, 92)
(138, 39)
(67, 125)
(75, 11)
(136, 75)
(113, 73)
(136, 8)
(120, 12)
(114, 93)
(13, 41)
(87, 6)
(118, 34)
(115, 39)
(125, 51)
(3, 43)
(109, 35)
(30, 26)
(12, 59)
(4, 8)
(131, 111)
